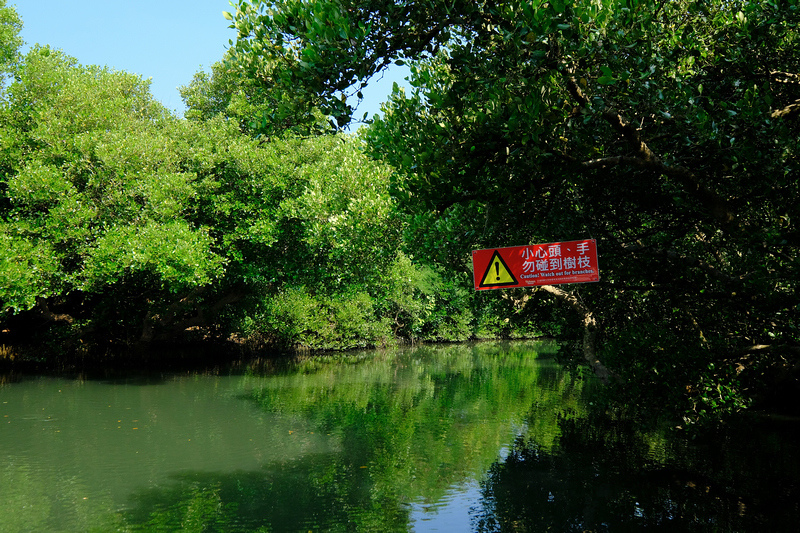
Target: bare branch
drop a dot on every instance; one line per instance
(787, 112)
(44, 310)
(607, 162)
(576, 92)
(765, 348)
(785, 77)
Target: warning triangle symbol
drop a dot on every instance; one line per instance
(497, 273)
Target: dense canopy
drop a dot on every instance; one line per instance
(668, 131)
(122, 224)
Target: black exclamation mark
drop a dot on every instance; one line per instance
(497, 269)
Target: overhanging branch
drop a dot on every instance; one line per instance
(590, 327)
(789, 111)
(646, 158)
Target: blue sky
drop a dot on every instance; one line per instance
(166, 40)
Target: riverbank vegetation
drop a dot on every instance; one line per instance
(666, 131)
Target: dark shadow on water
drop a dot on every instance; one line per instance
(605, 476)
(141, 366)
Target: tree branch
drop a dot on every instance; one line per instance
(590, 327)
(44, 310)
(169, 320)
(789, 111)
(607, 162)
(646, 158)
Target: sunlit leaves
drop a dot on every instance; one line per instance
(75, 103)
(38, 185)
(10, 40)
(28, 270)
(101, 187)
(175, 253)
(331, 46)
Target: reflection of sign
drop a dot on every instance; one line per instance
(535, 264)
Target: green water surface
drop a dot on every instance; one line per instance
(485, 437)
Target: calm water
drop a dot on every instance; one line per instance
(490, 437)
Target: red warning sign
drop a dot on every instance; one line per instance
(536, 264)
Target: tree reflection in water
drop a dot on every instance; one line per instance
(396, 432)
(605, 476)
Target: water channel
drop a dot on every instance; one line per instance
(484, 437)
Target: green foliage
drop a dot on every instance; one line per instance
(322, 52)
(296, 318)
(10, 41)
(26, 271)
(228, 92)
(173, 252)
(97, 196)
(407, 301)
(667, 131)
(424, 304)
(122, 223)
